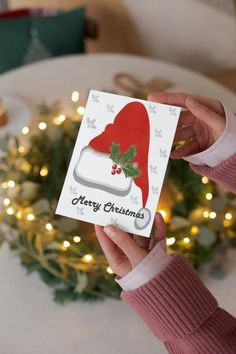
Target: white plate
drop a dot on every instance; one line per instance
(18, 115)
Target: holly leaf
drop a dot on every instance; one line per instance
(129, 154)
(115, 153)
(131, 171)
(124, 160)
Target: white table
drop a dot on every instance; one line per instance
(30, 322)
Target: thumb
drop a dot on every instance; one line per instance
(160, 232)
(207, 116)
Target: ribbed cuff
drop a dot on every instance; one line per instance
(174, 303)
(224, 173)
(217, 335)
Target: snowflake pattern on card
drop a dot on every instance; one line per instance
(91, 123)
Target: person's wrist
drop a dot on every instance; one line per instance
(153, 264)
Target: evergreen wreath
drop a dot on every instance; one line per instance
(65, 252)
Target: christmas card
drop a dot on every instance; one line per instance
(119, 162)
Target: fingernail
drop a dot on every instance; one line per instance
(191, 102)
(110, 231)
(151, 96)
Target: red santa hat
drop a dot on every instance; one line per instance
(130, 128)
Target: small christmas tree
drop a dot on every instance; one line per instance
(36, 49)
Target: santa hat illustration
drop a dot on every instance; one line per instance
(118, 157)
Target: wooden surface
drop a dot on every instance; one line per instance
(226, 78)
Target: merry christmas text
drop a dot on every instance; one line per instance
(107, 207)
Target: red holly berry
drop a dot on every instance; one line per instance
(118, 171)
(114, 166)
(113, 172)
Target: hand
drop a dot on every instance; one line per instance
(121, 249)
(200, 125)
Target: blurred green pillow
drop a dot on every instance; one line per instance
(28, 39)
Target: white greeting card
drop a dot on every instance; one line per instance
(119, 162)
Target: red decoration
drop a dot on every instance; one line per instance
(130, 127)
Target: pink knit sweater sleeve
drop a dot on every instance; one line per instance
(176, 305)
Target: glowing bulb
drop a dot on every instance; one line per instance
(76, 239)
(44, 171)
(25, 167)
(109, 270)
(212, 215)
(206, 214)
(19, 214)
(6, 201)
(66, 244)
(194, 230)
(42, 125)
(11, 183)
(4, 185)
(25, 130)
(186, 240)
(163, 213)
(59, 120)
(209, 196)
(48, 226)
(75, 96)
(10, 211)
(228, 216)
(170, 241)
(21, 149)
(205, 180)
(30, 217)
(80, 110)
(88, 258)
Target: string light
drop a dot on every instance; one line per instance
(6, 201)
(170, 241)
(25, 130)
(76, 239)
(59, 120)
(49, 226)
(206, 214)
(209, 196)
(194, 230)
(19, 214)
(10, 211)
(21, 149)
(88, 258)
(30, 217)
(44, 171)
(205, 180)
(75, 96)
(80, 110)
(228, 216)
(109, 270)
(42, 125)
(186, 240)
(212, 215)
(11, 183)
(4, 185)
(163, 213)
(66, 244)
(25, 167)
